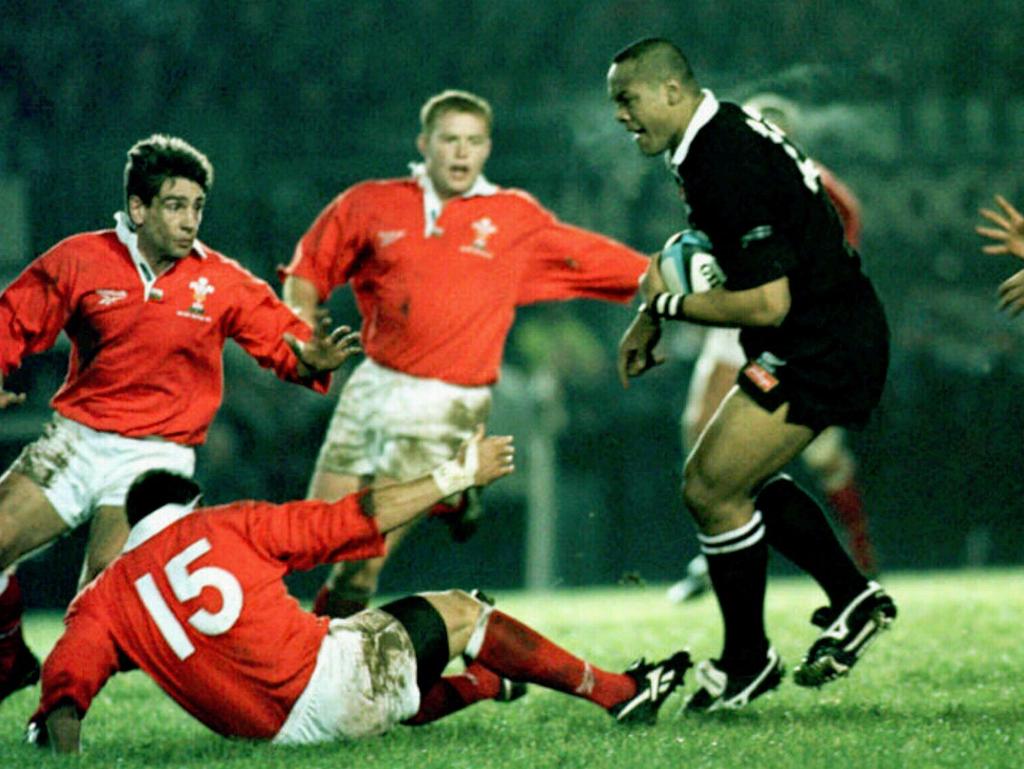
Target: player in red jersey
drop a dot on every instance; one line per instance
(148, 309)
(438, 263)
(199, 604)
(828, 456)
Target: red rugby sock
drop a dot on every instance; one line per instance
(515, 651)
(453, 693)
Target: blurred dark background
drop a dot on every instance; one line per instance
(918, 106)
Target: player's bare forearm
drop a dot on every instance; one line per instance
(765, 305)
(64, 729)
(481, 461)
(636, 348)
(301, 295)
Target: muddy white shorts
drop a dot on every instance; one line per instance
(399, 426)
(80, 469)
(364, 682)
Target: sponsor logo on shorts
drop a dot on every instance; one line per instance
(760, 376)
(483, 228)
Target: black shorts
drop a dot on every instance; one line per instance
(428, 633)
(836, 379)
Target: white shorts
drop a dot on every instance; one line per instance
(364, 682)
(80, 469)
(399, 426)
(721, 347)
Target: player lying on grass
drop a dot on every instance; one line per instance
(197, 601)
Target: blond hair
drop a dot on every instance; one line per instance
(452, 100)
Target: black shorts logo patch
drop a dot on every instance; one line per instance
(761, 377)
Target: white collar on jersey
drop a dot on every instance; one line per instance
(706, 110)
(125, 231)
(156, 522)
(432, 202)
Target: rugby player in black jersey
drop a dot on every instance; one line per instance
(817, 347)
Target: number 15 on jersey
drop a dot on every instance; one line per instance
(187, 585)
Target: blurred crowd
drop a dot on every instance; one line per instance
(919, 106)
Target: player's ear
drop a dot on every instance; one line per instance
(673, 91)
(421, 144)
(136, 210)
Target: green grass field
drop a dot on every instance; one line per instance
(942, 689)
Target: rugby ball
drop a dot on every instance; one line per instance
(687, 265)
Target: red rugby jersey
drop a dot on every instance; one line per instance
(846, 203)
(197, 601)
(441, 305)
(143, 366)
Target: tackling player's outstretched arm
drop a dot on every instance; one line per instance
(311, 532)
(481, 461)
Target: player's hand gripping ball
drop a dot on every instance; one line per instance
(687, 265)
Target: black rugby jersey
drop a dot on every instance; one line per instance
(761, 202)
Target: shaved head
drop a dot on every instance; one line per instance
(654, 92)
(655, 60)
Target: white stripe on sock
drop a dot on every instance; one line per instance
(742, 531)
(476, 640)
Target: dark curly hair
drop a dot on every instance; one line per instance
(160, 157)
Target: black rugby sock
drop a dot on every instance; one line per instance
(797, 528)
(738, 568)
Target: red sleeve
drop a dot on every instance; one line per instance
(846, 203)
(567, 262)
(81, 662)
(327, 253)
(258, 322)
(305, 534)
(34, 309)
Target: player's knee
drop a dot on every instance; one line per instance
(468, 607)
(700, 494)
(713, 504)
(460, 611)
